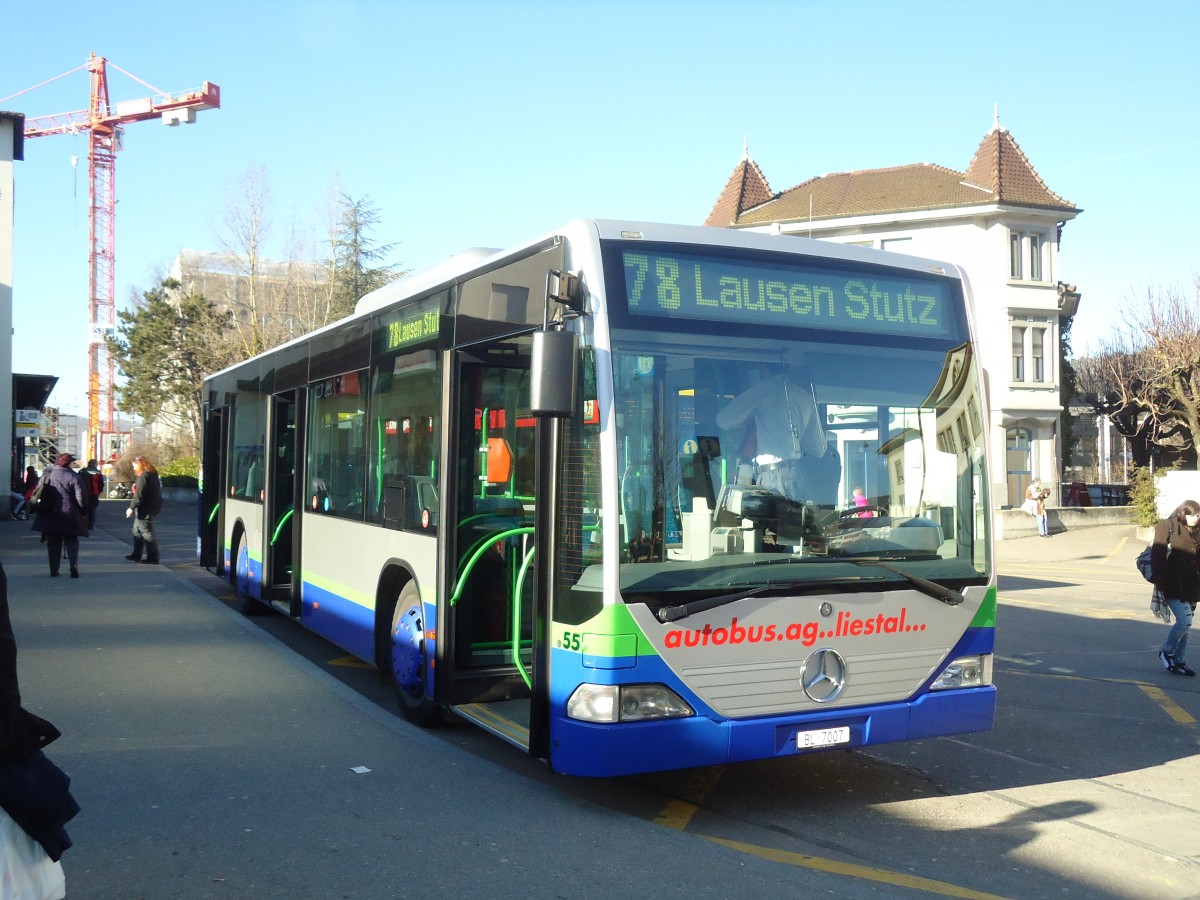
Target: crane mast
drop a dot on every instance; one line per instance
(104, 126)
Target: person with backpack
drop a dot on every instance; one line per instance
(1174, 570)
(93, 481)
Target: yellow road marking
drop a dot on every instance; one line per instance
(677, 814)
(350, 662)
(1069, 573)
(1169, 706)
(1176, 712)
(1117, 549)
(867, 873)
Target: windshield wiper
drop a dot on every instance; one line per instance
(683, 610)
(946, 595)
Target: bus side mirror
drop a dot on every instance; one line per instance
(553, 368)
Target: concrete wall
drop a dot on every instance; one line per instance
(1015, 523)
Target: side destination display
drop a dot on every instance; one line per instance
(409, 327)
(730, 289)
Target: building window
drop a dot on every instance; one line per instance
(1018, 353)
(1022, 245)
(1031, 341)
(1014, 254)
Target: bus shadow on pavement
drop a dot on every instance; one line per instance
(1010, 584)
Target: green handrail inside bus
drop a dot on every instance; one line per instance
(483, 427)
(213, 515)
(516, 610)
(516, 617)
(379, 461)
(283, 521)
(481, 547)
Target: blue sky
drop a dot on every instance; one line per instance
(483, 124)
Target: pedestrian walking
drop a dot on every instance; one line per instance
(1174, 571)
(144, 505)
(1035, 505)
(93, 480)
(61, 518)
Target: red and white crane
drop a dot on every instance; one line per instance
(104, 125)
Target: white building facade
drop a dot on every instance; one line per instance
(1003, 226)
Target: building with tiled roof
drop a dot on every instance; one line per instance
(999, 221)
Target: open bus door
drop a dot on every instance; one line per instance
(212, 490)
(488, 630)
(281, 524)
(498, 615)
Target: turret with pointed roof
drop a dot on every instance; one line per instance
(747, 188)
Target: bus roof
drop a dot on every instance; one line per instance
(465, 263)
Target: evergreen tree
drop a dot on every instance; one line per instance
(356, 264)
(164, 348)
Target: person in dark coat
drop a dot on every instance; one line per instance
(1174, 571)
(93, 489)
(144, 505)
(62, 519)
(33, 791)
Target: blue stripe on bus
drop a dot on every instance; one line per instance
(349, 625)
(581, 748)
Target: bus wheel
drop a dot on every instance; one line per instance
(409, 661)
(241, 579)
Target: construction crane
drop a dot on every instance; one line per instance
(104, 124)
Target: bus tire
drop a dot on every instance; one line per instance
(246, 604)
(409, 660)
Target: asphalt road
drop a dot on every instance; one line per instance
(213, 756)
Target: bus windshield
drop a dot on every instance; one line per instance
(748, 461)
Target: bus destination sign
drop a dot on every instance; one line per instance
(410, 328)
(737, 290)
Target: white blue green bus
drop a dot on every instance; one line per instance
(632, 497)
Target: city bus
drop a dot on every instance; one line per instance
(632, 497)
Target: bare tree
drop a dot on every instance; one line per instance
(1146, 377)
(252, 294)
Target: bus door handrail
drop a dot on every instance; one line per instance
(516, 631)
(518, 588)
(516, 617)
(484, 545)
(282, 521)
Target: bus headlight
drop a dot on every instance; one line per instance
(965, 672)
(626, 703)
